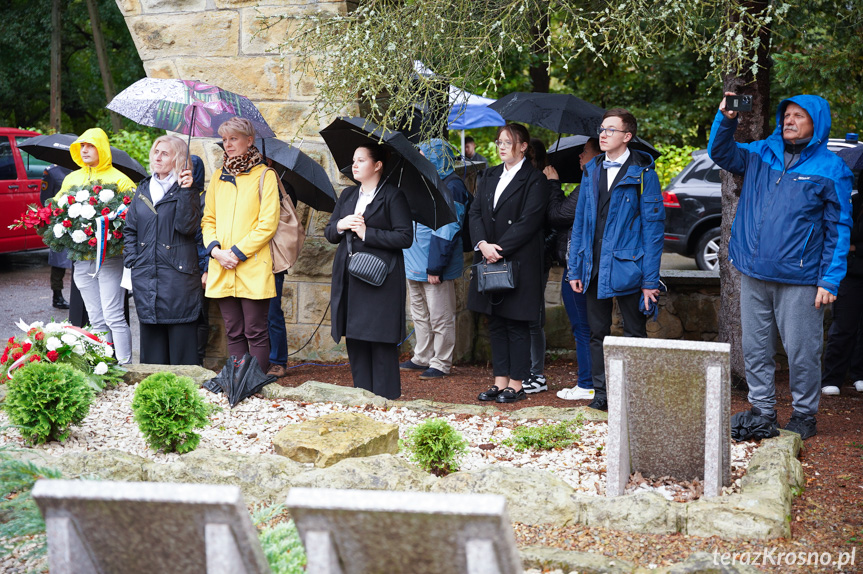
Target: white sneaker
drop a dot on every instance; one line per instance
(859, 386)
(535, 384)
(831, 390)
(575, 394)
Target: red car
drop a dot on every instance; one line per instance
(20, 180)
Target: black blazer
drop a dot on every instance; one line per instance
(359, 310)
(516, 224)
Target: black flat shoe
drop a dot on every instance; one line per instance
(510, 395)
(599, 404)
(490, 394)
(59, 301)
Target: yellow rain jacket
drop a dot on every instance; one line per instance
(236, 219)
(104, 172)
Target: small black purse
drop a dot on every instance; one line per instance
(497, 277)
(366, 266)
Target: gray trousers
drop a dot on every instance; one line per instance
(768, 309)
(104, 298)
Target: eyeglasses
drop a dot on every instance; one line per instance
(503, 144)
(611, 131)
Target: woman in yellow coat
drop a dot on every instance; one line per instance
(238, 224)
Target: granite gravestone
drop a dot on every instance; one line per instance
(364, 532)
(99, 527)
(668, 411)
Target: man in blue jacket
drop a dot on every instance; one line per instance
(789, 240)
(432, 262)
(617, 237)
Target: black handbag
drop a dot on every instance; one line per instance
(497, 277)
(366, 266)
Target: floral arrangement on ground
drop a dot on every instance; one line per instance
(86, 222)
(62, 343)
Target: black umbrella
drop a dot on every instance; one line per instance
(430, 200)
(561, 113)
(239, 379)
(563, 155)
(54, 148)
(309, 180)
(853, 156)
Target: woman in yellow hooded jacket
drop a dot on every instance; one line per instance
(238, 223)
(103, 297)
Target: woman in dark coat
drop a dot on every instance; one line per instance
(160, 249)
(377, 219)
(506, 221)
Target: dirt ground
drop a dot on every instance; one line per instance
(827, 517)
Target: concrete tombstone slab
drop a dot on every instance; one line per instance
(668, 411)
(361, 532)
(100, 527)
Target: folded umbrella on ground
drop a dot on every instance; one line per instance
(239, 379)
(54, 148)
(430, 200)
(563, 155)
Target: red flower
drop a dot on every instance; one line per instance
(39, 336)
(52, 356)
(93, 200)
(97, 188)
(67, 223)
(11, 340)
(123, 216)
(26, 346)
(92, 242)
(127, 200)
(34, 358)
(71, 199)
(88, 230)
(118, 235)
(57, 212)
(17, 355)
(4, 358)
(106, 210)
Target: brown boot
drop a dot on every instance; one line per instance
(278, 371)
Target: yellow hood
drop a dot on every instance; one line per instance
(96, 137)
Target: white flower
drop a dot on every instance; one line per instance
(106, 195)
(75, 210)
(82, 196)
(87, 211)
(101, 369)
(59, 230)
(78, 236)
(108, 350)
(36, 325)
(69, 338)
(78, 350)
(53, 328)
(53, 343)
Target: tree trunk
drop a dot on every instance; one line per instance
(56, 36)
(751, 126)
(538, 71)
(102, 55)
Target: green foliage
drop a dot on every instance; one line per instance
(435, 446)
(672, 161)
(45, 399)
(548, 437)
(136, 143)
(281, 541)
(167, 409)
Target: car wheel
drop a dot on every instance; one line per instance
(707, 250)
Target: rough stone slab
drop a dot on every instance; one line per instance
(558, 414)
(669, 411)
(426, 405)
(111, 464)
(533, 496)
(706, 563)
(425, 533)
(381, 472)
(143, 527)
(739, 516)
(137, 372)
(326, 440)
(645, 512)
(165, 36)
(262, 478)
(317, 392)
(546, 559)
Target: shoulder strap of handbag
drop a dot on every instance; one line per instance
(282, 192)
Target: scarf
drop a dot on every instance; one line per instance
(241, 163)
(159, 187)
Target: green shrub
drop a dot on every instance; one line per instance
(45, 399)
(673, 160)
(167, 409)
(136, 143)
(280, 541)
(548, 437)
(435, 446)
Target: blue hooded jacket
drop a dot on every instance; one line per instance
(792, 225)
(439, 252)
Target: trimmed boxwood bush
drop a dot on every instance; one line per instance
(45, 399)
(167, 409)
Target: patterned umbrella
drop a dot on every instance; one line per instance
(186, 106)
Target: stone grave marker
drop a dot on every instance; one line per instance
(364, 532)
(100, 527)
(668, 411)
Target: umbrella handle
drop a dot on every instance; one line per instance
(189, 141)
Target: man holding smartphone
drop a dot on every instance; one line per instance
(789, 240)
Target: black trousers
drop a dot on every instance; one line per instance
(77, 312)
(203, 329)
(599, 318)
(175, 344)
(375, 367)
(843, 336)
(510, 347)
(57, 274)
